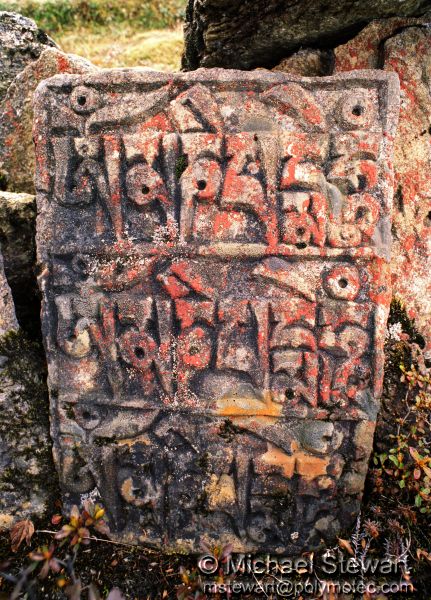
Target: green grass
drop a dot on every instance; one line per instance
(124, 46)
(111, 33)
(56, 15)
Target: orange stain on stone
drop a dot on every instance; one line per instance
(299, 462)
(232, 406)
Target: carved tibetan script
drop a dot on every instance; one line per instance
(214, 249)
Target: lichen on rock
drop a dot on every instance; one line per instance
(25, 447)
(21, 42)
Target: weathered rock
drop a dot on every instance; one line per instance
(21, 42)
(252, 33)
(16, 139)
(366, 50)
(404, 47)
(8, 319)
(214, 256)
(24, 439)
(17, 239)
(308, 62)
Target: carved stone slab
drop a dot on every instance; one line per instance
(214, 249)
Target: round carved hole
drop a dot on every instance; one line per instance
(145, 189)
(139, 353)
(360, 212)
(289, 394)
(202, 184)
(86, 415)
(81, 100)
(342, 282)
(300, 231)
(357, 110)
(301, 245)
(194, 350)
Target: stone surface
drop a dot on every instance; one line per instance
(18, 243)
(404, 47)
(257, 33)
(24, 441)
(213, 251)
(308, 62)
(8, 319)
(16, 139)
(21, 42)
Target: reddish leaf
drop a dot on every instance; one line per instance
(422, 553)
(414, 453)
(22, 530)
(346, 545)
(56, 519)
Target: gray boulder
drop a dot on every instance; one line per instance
(21, 42)
(244, 34)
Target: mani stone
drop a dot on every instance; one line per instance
(214, 253)
(404, 47)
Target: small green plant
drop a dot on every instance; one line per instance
(408, 460)
(59, 557)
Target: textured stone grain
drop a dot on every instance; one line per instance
(246, 34)
(18, 242)
(21, 42)
(16, 142)
(24, 441)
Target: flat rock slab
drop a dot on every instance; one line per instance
(214, 250)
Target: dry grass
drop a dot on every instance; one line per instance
(112, 33)
(122, 45)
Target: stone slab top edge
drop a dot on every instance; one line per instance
(259, 77)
